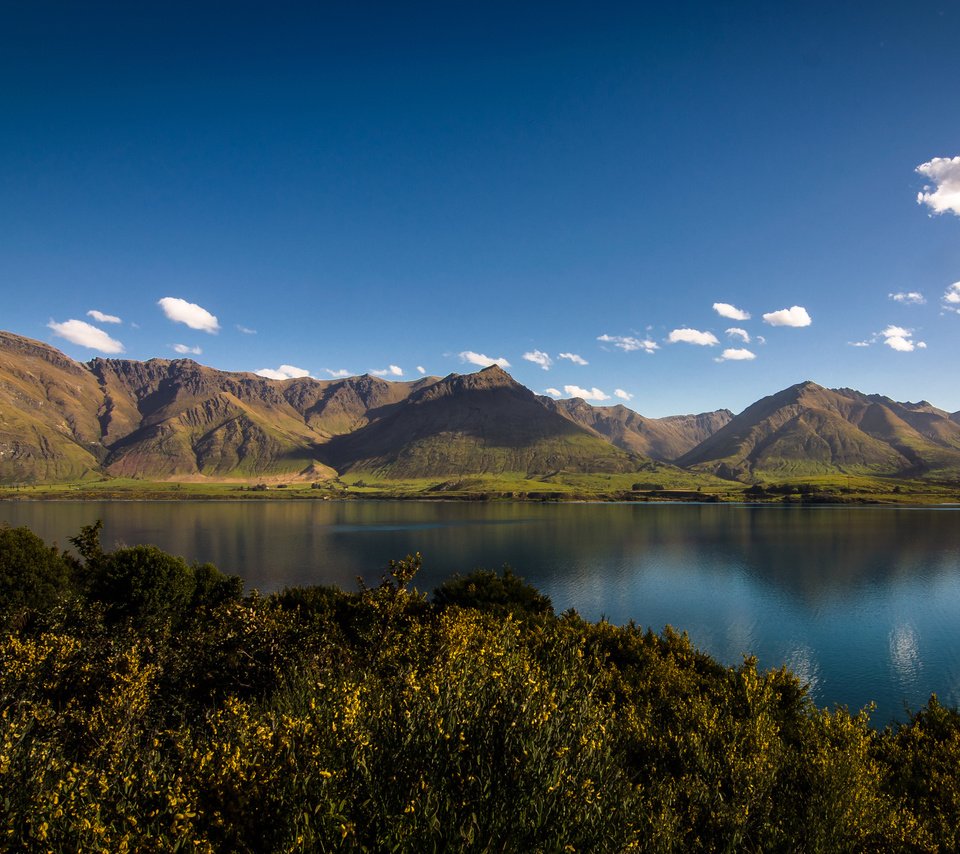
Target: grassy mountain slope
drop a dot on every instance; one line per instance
(810, 430)
(49, 430)
(482, 423)
(663, 439)
(332, 408)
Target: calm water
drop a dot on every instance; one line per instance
(863, 603)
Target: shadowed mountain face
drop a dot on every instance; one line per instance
(807, 430)
(482, 423)
(663, 439)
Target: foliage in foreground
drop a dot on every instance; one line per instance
(146, 705)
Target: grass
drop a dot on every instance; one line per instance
(658, 482)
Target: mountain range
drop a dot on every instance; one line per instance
(62, 420)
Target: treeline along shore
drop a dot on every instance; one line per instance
(147, 704)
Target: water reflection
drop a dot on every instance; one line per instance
(801, 659)
(860, 602)
(905, 654)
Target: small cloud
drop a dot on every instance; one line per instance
(184, 349)
(737, 332)
(339, 375)
(900, 339)
(189, 313)
(623, 395)
(629, 344)
(539, 358)
(553, 392)
(585, 393)
(944, 194)
(421, 369)
(859, 343)
(245, 330)
(909, 298)
(392, 371)
(284, 372)
(760, 340)
(692, 336)
(482, 360)
(573, 357)
(794, 316)
(899, 343)
(85, 335)
(100, 317)
(951, 298)
(724, 309)
(735, 354)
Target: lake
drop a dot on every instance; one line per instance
(862, 602)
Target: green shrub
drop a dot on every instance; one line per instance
(32, 574)
(503, 593)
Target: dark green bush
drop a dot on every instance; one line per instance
(32, 574)
(498, 593)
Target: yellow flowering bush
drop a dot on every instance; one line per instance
(318, 720)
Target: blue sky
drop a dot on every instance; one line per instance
(367, 185)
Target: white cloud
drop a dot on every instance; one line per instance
(944, 194)
(82, 333)
(539, 358)
(951, 298)
(339, 375)
(794, 316)
(899, 343)
(724, 309)
(735, 354)
(421, 369)
(859, 343)
(896, 332)
(392, 371)
(284, 372)
(692, 336)
(482, 360)
(553, 392)
(760, 339)
(100, 317)
(623, 395)
(184, 349)
(909, 298)
(573, 357)
(585, 393)
(180, 311)
(900, 339)
(246, 330)
(737, 332)
(629, 344)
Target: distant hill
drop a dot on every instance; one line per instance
(162, 419)
(663, 439)
(807, 429)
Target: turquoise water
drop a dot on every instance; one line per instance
(863, 603)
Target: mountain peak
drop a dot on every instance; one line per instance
(494, 371)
